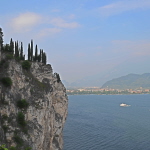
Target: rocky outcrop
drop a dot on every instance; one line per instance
(46, 112)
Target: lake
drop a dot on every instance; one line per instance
(97, 122)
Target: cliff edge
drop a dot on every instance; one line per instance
(33, 109)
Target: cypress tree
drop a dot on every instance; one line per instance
(45, 59)
(39, 56)
(21, 52)
(1, 38)
(15, 49)
(11, 49)
(36, 53)
(57, 76)
(6, 47)
(42, 56)
(31, 50)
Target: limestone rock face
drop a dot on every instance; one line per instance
(46, 113)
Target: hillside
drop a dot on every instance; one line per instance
(131, 81)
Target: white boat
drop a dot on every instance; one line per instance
(124, 105)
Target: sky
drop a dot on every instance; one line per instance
(85, 40)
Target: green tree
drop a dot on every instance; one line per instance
(26, 65)
(28, 148)
(1, 38)
(6, 47)
(12, 148)
(6, 81)
(44, 58)
(11, 49)
(2, 147)
(16, 50)
(36, 53)
(29, 52)
(21, 119)
(22, 103)
(39, 56)
(57, 76)
(21, 52)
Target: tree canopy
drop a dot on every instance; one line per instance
(1, 38)
(17, 51)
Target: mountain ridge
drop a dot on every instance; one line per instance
(130, 81)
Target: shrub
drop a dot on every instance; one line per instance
(4, 102)
(6, 64)
(28, 148)
(18, 140)
(9, 120)
(26, 65)
(2, 147)
(57, 76)
(31, 91)
(22, 103)
(2, 62)
(6, 81)
(12, 148)
(5, 128)
(21, 119)
(25, 130)
(40, 84)
(9, 56)
(17, 59)
(5, 116)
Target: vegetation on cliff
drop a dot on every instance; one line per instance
(15, 50)
(6, 81)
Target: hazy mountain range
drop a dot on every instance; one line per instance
(131, 81)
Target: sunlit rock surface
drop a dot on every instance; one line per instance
(47, 110)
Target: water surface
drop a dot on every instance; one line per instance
(97, 122)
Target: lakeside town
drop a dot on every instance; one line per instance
(106, 91)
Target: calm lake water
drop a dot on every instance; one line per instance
(97, 122)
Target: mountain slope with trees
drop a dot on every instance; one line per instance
(131, 81)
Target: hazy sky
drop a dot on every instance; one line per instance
(90, 39)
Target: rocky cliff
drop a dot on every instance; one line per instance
(39, 124)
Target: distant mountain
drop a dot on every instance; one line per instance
(130, 81)
(82, 83)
